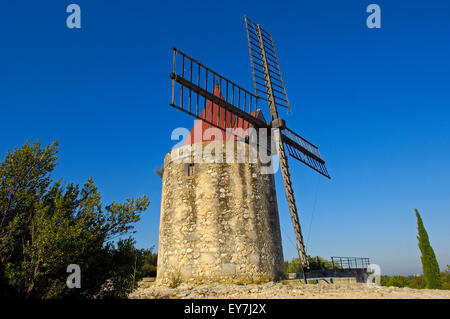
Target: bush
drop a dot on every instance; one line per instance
(315, 263)
(397, 281)
(413, 281)
(45, 226)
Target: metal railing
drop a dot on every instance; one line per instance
(350, 262)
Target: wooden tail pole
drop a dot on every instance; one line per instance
(291, 202)
(268, 81)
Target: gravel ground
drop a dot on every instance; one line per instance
(284, 290)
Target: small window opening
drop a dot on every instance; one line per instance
(189, 169)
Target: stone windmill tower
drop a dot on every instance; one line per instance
(219, 217)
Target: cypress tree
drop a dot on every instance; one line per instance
(430, 265)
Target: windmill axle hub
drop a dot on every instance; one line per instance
(279, 123)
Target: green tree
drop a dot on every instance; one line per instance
(294, 266)
(286, 266)
(46, 226)
(445, 277)
(398, 281)
(150, 263)
(315, 263)
(430, 265)
(416, 282)
(319, 263)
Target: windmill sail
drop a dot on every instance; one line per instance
(304, 151)
(212, 99)
(262, 52)
(265, 68)
(220, 103)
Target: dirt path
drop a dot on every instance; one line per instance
(285, 290)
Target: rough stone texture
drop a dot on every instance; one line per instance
(291, 289)
(221, 224)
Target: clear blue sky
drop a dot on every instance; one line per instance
(377, 102)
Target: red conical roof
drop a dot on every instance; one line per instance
(197, 134)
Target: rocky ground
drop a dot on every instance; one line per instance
(283, 290)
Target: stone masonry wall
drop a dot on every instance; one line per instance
(221, 223)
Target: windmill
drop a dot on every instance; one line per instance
(208, 96)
